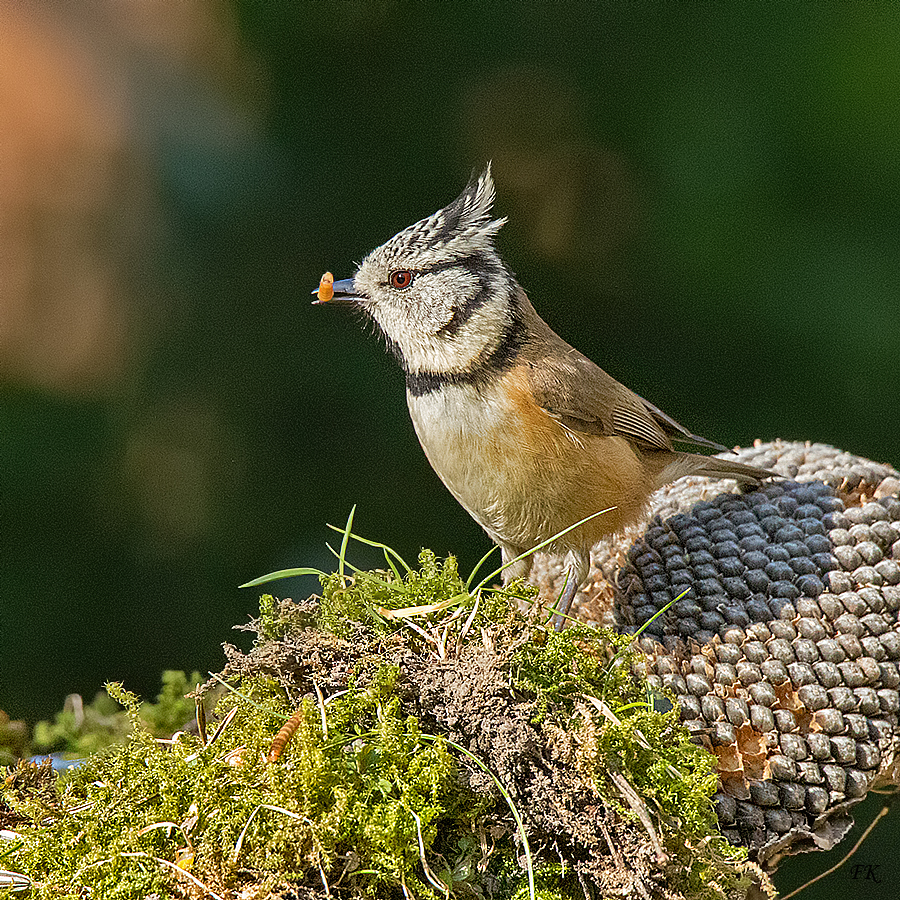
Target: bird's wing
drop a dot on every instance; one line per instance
(678, 432)
(572, 389)
(584, 398)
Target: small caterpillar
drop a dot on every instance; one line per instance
(284, 735)
(326, 288)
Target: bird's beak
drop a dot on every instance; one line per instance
(336, 292)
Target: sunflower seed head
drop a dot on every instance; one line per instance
(783, 654)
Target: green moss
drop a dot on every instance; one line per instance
(671, 774)
(79, 730)
(369, 597)
(363, 797)
(272, 627)
(349, 795)
(667, 769)
(558, 667)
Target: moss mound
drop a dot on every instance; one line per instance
(400, 736)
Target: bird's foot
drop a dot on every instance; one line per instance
(564, 603)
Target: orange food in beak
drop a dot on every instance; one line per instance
(326, 289)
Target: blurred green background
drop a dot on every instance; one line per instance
(702, 197)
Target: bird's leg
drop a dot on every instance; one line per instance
(519, 569)
(576, 567)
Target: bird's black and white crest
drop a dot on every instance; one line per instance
(462, 228)
(451, 302)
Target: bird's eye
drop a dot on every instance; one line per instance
(401, 279)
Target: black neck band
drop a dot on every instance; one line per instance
(501, 358)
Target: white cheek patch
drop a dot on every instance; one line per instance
(462, 350)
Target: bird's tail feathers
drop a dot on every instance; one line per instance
(712, 467)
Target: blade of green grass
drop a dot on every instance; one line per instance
(553, 611)
(480, 563)
(371, 576)
(639, 704)
(540, 546)
(393, 568)
(282, 573)
(344, 541)
(341, 563)
(657, 614)
(377, 544)
(620, 653)
(15, 844)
